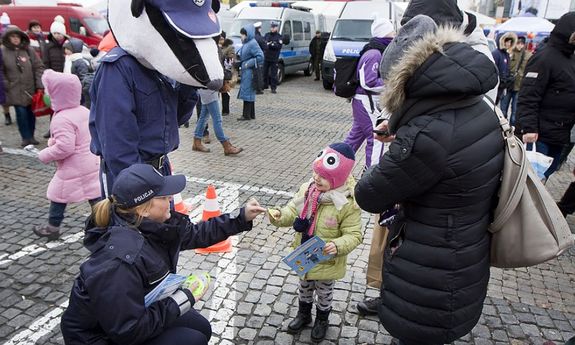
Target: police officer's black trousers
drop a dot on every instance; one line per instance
(270, 74)
(189, 329)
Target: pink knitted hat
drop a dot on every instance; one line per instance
(335, 163)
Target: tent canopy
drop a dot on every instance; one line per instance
(526, 24)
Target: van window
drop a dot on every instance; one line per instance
(352, 30)
(287, 28)
(307, 30)
(97, 25)
(297, 30)
(75, 25)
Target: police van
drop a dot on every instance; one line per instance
(351, 32)
(296, 25)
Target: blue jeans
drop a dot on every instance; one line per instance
(26, 121)
(56, 213)
(213, 109)
(509, 98)
(553, 151)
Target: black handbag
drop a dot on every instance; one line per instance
(258, 78)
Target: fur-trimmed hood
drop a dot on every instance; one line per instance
(438, 72)
(505, 36)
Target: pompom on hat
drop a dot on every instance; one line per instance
(335, 163)
(58, 27)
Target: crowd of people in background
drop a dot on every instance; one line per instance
(25, 57)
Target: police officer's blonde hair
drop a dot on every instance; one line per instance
(102, 212)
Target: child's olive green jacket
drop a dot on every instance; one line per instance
(342, 227)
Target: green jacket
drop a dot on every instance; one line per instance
(515, 60)
(342, 227)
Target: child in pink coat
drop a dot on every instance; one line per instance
(77, 169)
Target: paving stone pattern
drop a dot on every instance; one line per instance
(255, 294)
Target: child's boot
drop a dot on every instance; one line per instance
(49, 231)
(321, 324)
(303, 317)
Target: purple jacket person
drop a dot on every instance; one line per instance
(365, 102)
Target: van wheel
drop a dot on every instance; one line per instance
(327, 85)
(281, 73)
(309, 70)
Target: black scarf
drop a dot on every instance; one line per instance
(374, 43)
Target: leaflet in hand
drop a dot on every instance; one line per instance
(167, 287)
(307, 256)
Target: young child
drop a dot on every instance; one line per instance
(323, 207)
(78, 65)
(77, 169)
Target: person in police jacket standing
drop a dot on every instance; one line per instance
(271, 57)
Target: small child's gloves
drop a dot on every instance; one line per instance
(51, 141)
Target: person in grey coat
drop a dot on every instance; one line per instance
(22, 78)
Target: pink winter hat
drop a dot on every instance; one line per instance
(335, 163)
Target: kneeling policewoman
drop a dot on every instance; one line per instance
(135, 240)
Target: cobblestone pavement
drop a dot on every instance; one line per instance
(255, 294)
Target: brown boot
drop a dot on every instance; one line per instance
(230, 149)
(198, 146)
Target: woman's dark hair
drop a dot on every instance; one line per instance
(33, 23)
(227, 43)
(243, 32)
(223, 35)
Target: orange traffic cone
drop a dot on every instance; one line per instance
(180, 206)
(212, 209)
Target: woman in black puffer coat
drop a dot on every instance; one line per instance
(443, 170)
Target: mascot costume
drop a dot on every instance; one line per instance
(146, 86)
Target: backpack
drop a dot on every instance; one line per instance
(345, 81)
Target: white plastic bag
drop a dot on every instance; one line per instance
(539, 161)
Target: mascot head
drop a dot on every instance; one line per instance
(174, 37)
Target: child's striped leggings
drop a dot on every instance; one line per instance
(323, 291)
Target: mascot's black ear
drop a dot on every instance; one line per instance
(137, 7)
(216, 5)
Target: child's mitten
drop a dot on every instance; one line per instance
(301, 225)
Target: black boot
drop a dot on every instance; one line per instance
(245, 112)
(303, 318)
(252, 110)
(8, 120)
(321, 325)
